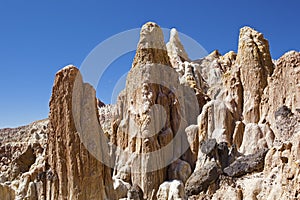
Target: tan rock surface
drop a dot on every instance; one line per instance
(75, 173)
(181, 129)
(151, 47)
(22, 161)
(256, 137)
(283, 88)
(6, 193)
(189, 72)
(256, 66)
(248, 89)
(150, 115)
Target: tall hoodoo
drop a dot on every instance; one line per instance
(151, 113)
(256, 66)
(73, 173)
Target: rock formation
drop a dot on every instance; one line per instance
(22, 164)
(253, 110)
(283, 88)
(255, 63)
(151, 119)
(220, 127)
(75, 173)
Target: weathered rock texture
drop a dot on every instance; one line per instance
(220, 127)
(150, 117)
(254, 107)
(283, 88)
(75, 173)
(171, 190)
(256, 66)
(151, 47)
(246, 164)
(22, 153)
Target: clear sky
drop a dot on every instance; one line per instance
(37, 38)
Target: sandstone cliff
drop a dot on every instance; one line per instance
(220, 127)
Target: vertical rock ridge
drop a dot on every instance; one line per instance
(149, 115)
(256, 66)
(75, 173)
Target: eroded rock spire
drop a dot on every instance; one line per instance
(256, 66)
(175, 48)
(151, 47)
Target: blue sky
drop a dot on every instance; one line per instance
(37, 38)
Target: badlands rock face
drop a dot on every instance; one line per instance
(220, 127)
(75, 173)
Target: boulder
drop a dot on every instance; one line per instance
(135, 193)
(247, 164)
(201, 179)
(179, 170)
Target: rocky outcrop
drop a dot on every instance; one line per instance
(135, 193)
(150, 117)
(193, 139)
(105, 118)
(277, 178)
(256, 137)
(243, 102)
(137, 131)
(283, 88)
(256, 66)
(72, 172)
(282, 171)
(216, 121)
(220, 127)
(22, 163)
(189, 72)
(287, 124)
(213, 158)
